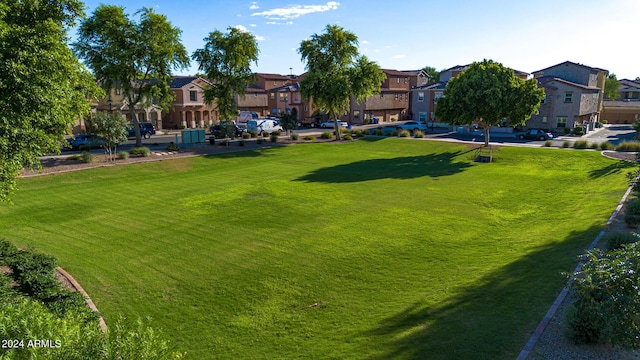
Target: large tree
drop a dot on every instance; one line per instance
(336, 72)
(226, 61)
(134, 57)
(43, 87)
(611, 87)
(434, 75)
(486, 94)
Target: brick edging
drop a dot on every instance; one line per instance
(526, 350)
(79, 288)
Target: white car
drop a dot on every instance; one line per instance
(330, 124)
(412, 126)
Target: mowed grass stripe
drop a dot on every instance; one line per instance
(371, 249)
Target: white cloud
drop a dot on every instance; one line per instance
(271, 23)
(400, 56)
(254, 6)
(253, 25)
(364, 42)
(244, 29)
(295, 11)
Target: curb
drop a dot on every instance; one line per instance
(526, 350)
(79, 289)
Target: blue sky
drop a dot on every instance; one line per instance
(525, 35)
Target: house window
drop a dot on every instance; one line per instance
(356, 115)
(396, 97)
(275, 82)
(397, 80)
(544, 119)
(562, 122)
(273, 96)
(193, 95)
(568, 97)
(420, 97)
(423, 116)
(406, 80)
(283, 97)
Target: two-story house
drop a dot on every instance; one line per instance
(391, 104)
(189, 107)
(573, 97)
(115, 102)
(625, 109)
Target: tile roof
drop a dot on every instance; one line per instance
(629, 85)
(273, 76)
(180, 81)
(621, 104)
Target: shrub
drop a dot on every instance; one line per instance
(548, 143)
(326, 135)
(594, 146)
(274, 137)
(394, 133)
(566, 144)
(632, 213)
(366, 121)
(605, 122)
(7, 252)
(141, 151)
(358, 133)
(310, 137)
(123, 155)
(259, 141)
(404, 133)
(347, 137)
(84, 148)
(607, 146)
(64, 301)
(172, 147)
(579, 130)
(246, 135)
(607, 299)
(253, 134)
(277, 133)
(74, 157)
(266, 134)
(87, 157)
(567, 131)
(418, 134)
(581, 144)
(628, 146)
(295, 136)
(613, 241)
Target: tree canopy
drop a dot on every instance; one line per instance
(434, 75)
(135, 57)
(486, 94)
(43, 87)
(112, 127)
(336, 72)
(611, 87)
(226, 61)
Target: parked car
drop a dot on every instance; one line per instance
(146, 130)
(92, 141)
(329, 124)
(412, 126)
(535, 134)
(261, 125)
(218, 133)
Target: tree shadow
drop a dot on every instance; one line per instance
(409, 167)
(490, 319)
(614, 168)
(240, 153)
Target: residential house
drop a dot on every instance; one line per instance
(285, 98)
(115, 102)
(255, 99)
(189, 107)
(391, 104)
(625, 109)
(573, 96)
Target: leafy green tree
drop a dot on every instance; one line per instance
(336, 72)
(607, 306)
(434, 75)
(289, 121)
(135, 57)
(112, 127)
(486, 94)
(226, 61)
(611, 87)
(43, 87)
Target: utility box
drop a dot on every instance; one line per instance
(193, 136)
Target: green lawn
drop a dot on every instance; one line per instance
(371, 249)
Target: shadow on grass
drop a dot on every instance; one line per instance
(434, 165)
(614, 168)
(490, 319)
(240, 152)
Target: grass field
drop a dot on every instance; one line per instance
(372, 249)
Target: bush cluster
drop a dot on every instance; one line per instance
(566, 144)
(347, 137)
(418, 134)
(141, 151)
(615, 240)
(246, 135)
(274, 137)
(87, 157)
(578, 131)
(326, 135)
(580, 144)
(253, 134)
(123, 155)
(309, 137)
(277, 133)
(295, 136)
(548, 143)
(628, 146)
(404, 133)
(266, 134)
(607, 146)
(632, 213)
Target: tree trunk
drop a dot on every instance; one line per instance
(336, 127)
(136, 126)
(486, 136)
